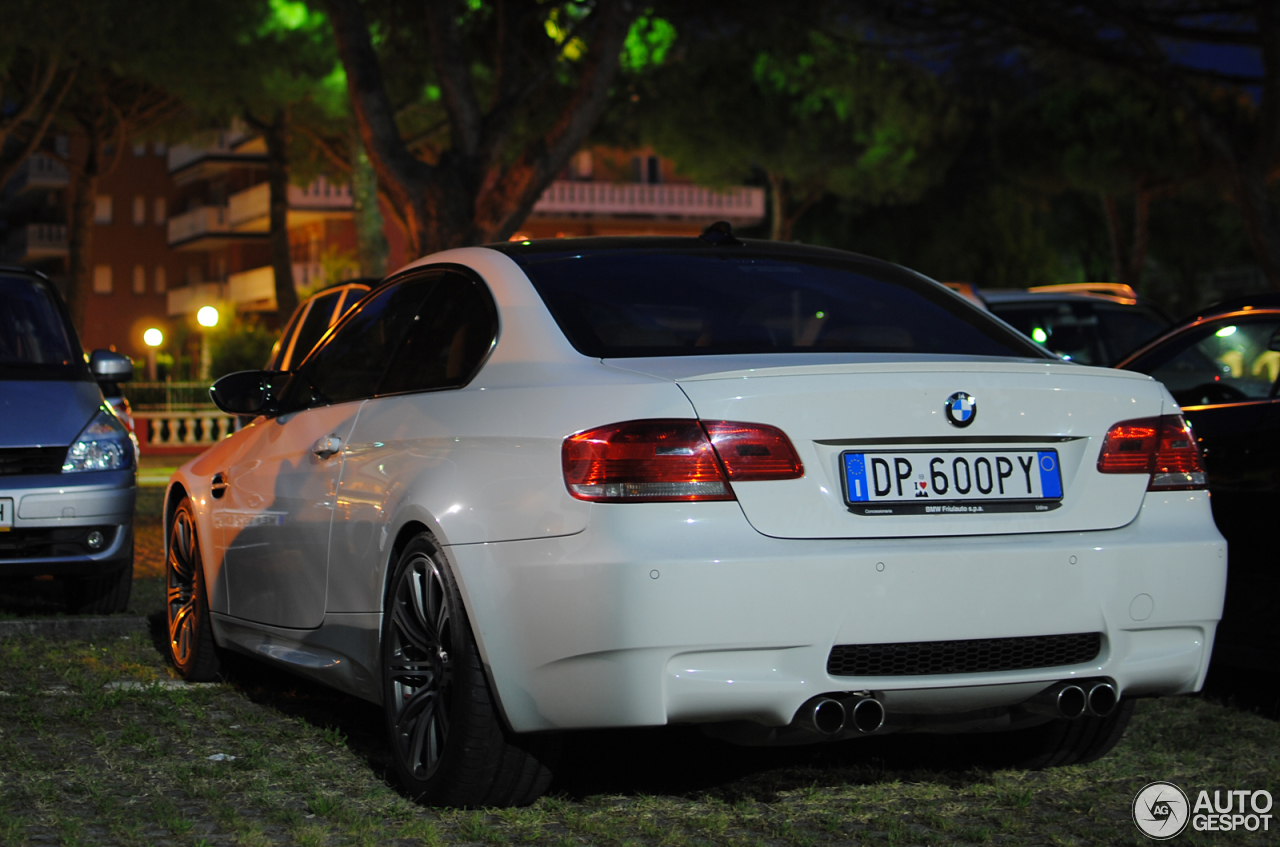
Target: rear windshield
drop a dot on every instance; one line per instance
(649, 303)
(34, 341)
(1088, 333)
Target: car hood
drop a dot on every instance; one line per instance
(41, 413)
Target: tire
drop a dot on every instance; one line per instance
(191, 644)
(448, 743)
(1059, 743)
(107, 594)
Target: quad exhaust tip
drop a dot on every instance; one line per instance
(1103, 699)
(830, 716)
(1094, 697)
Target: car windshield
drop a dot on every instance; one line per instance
(34, 341)
(623, 303)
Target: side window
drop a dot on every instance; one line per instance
(448, 341)
(314, 325)
(350, 364)
(1227, 361)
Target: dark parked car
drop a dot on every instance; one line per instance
(1223, 368)
(67, 463)
(1089, 323)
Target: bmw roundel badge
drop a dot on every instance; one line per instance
(961, 409)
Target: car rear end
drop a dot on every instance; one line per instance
(883, 510)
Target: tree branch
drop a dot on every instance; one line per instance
(450, 62)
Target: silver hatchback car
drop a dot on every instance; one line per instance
(68, 473)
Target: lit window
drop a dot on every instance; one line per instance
(139, 210)
(139, 279)
(102, 209)
(161, 282)
(162, 210)
(101, 279)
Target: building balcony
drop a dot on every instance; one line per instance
(189, 299)
(205, 228)
(631, 200)
(255, 290)
(249, 210)
(36, 242)
(38, 172)
(228, 149)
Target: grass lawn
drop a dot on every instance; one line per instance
(100, 745)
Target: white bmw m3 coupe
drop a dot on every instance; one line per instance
(786, 493)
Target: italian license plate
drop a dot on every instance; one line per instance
(6, 514)
(942, 482)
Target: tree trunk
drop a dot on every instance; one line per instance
(84, 194)
(1258, 213)
(276, 135)
(371, 241)
(780, 199)
(1128, 259)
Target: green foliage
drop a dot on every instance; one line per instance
(805, 109)
(1102, 134)
(648, 42)
(243, 345)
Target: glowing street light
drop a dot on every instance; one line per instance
(153, 338)
(207, 316)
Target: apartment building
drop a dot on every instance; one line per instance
(178, 228)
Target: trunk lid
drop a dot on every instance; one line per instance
(880, 405)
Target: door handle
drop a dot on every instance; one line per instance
(327, 446)
(219, 485)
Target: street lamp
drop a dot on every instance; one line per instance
(153, 338)
(207, 317)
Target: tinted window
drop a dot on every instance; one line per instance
(650, 303)
(1088, 333)
(449, 339)
(351, 362)
(1224, 361)
(34, 340)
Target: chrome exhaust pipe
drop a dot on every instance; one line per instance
(823, 715)
(1065, 700)
(867, 714)
(1103, 699)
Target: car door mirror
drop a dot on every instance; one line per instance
(108, 366)
(248, 392)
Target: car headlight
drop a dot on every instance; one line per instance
(103, 445)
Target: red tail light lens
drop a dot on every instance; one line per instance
(754, 451)
(1163, 447)
(660, 461)
(655, 461)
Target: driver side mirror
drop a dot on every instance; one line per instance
(108, 366)
(248, 393)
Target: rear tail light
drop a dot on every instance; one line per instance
(1162, 447)
(674, 460)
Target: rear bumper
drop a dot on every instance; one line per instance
(53, 516)
(662, 613)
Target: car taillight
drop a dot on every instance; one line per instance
(1162, 447)
(673, 460)
(753, 452)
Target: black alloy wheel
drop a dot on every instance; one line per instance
(419, 669)
(191, 644)
(448, 741)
